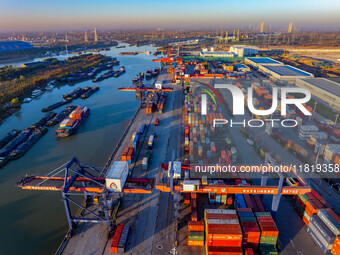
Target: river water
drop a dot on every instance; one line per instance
(34, 222)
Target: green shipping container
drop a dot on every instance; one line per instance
(268, 249)
(196, 238)
(304, 198)
(263, 214)
(248, 219)
(268, 240)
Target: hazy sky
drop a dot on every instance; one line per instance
(21, 15)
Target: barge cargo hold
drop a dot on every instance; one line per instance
(56, 105)
(59, 117)
(69, 126)
(89, 92)
(128, 53)
(9, 137)
(15, 142)
(44, 120)
(25, 146)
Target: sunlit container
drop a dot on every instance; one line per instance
(117, 176)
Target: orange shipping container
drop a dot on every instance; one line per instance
(195, 243)
(196, 225)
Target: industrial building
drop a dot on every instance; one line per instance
(243, 50)
(324, 89)
(15, 45)
(241, 68)
(284, 73)
(258, 61)
(216, 54)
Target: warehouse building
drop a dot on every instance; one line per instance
(241, 68)
(217, 54)
(284, 73)
(257, 62)
(15, 45)
(243, 50)
(326, 90)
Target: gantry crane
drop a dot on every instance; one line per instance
(77, 178)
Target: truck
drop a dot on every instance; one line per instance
(145, 163)
(150, 142)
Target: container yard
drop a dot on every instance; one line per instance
(150, 199)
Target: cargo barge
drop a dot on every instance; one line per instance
(110, 73)
(59, 117)
(89, 92)
(9, 137)
(70, 126)
(31, 140)
(76, 93)
(5, 151)
(56, 105)
(128, 53)
(44, 120)
(148, 74)
(119, 72)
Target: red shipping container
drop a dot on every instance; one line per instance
(316, 194)
(229, 199)
(125, 154)
(244, 210)
(264, 218)
(193, 214)
(259, 204)
(116, 237)
(269, 231)
(130, 153)
(186, 198)
(311, 195)
(325, 204)
(249, 251)
(266, 223)
(71, 122)
(221, 216)
(249, 223)
(196, 225)
(220, 250)
(231, 243)
(224, 227)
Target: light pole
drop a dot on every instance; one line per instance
(336, 118)
(314, 109)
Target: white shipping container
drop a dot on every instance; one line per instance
(116, 178)
(64, 122)
(222, 221)
(221, 211)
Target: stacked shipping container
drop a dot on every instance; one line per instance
(269, 233)
(223, 231)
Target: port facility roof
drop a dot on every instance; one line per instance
(14, 45)
(264, 60)
(286, 70)
(322, 83)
